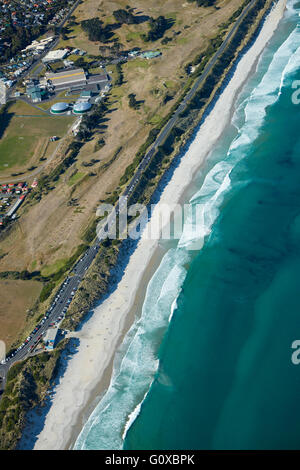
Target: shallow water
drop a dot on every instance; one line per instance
(223, 377)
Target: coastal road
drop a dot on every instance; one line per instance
(55, 312)
(67, 290)
(188, 97)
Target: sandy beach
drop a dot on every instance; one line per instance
(88, 371)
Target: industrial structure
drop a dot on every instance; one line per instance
(66, 79)
(35, 93)
(59, 108)
(81, 107)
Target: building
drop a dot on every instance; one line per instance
(67, 78)
(85, 95)
(54, 56)
(34, 93)
(15, 207)
(36, 97)
(81, 107)
(59, 108)
(50, 337)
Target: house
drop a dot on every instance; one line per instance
(50, 337)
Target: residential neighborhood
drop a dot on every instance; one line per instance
(12, 195)
(21, 23)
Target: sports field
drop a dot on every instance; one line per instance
(26, 136)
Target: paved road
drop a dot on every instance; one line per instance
(65, 293)
(53, 45)
(173, 121)
(57, 309)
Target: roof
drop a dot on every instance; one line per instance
(50, 334)
(55, 55)
(33, 89)
(81, 107)
(36, 95)
(59, 107)
(66, 77)
(86, 93)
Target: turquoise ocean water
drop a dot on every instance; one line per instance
(208, 364)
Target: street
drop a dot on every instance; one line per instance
(65, 293)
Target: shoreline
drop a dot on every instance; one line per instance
(89, 371)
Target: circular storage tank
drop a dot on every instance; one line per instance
(81, 107)
(59, 108)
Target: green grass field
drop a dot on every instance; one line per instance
(15, 150)
(75, 178)
(28, 131)
(53, 268)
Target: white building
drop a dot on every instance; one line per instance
(53, 56)
(3, 93)
(50, 337)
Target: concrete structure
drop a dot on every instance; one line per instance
(34, 93)
(81, 107)
(50, 337)
(54, 56)
(66, 79)
(59, 108)
(3, 93)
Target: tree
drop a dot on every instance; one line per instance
(123, 16)
(203, 3)
(158, 27)
(119, 75)
(95, 30)
(133, 103)
(80, 62)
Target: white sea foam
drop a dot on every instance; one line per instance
(217, 182)
(113, 417)
(132, 381)
(173, 308)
